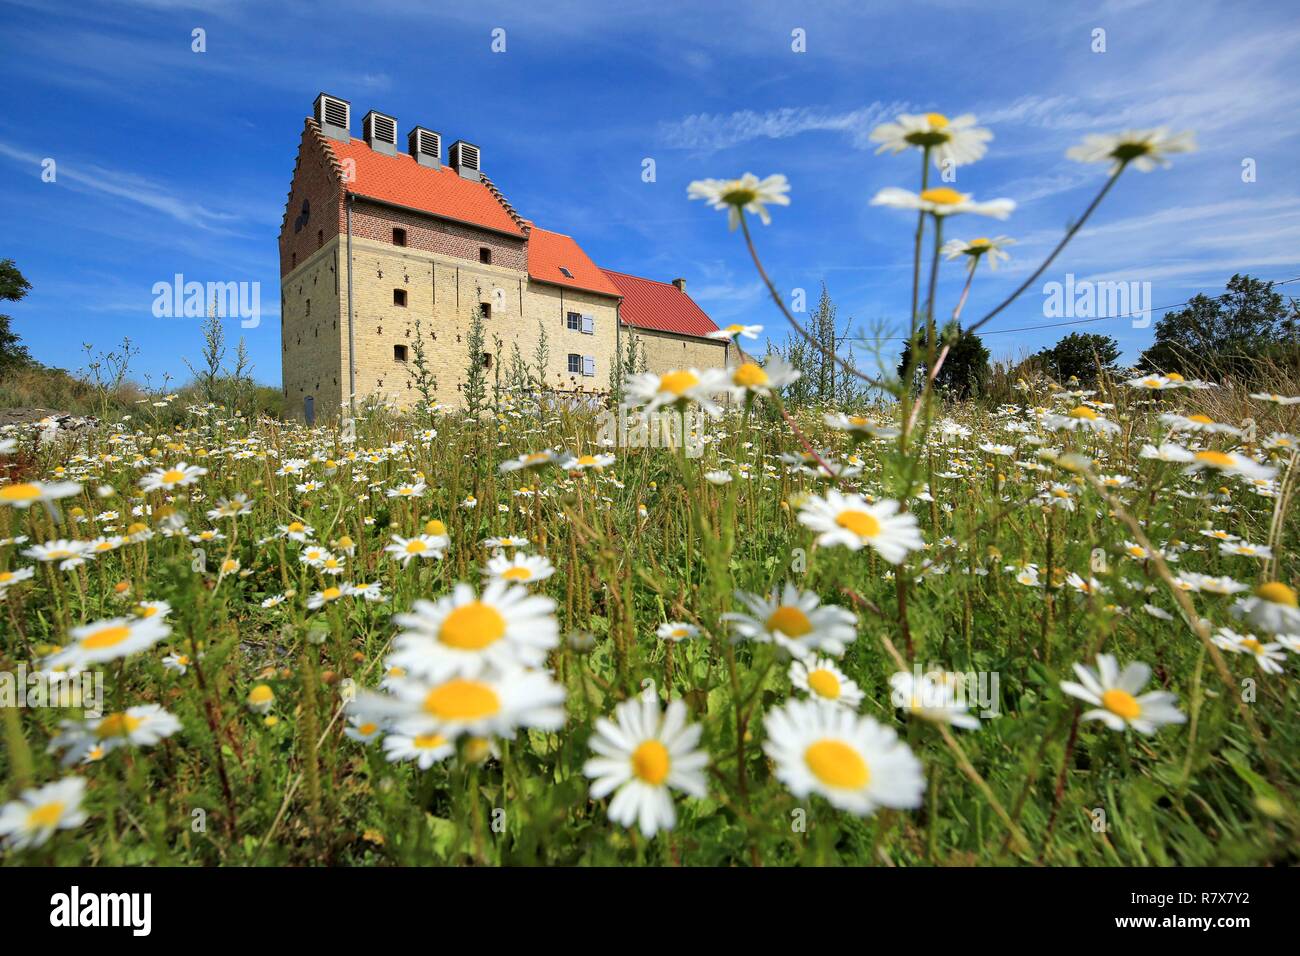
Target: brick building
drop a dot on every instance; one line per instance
(375, 238)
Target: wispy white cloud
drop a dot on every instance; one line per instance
(710, 132)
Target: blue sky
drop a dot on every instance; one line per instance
(171, 161)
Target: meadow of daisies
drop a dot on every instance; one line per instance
(1059, 631)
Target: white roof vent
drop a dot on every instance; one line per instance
(380, 132)
(334, 116)
(425, 146)
(464, 158)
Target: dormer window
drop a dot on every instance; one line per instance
(566, 272)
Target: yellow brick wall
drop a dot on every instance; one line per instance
(666, 352)
(442, 292)
(311, 323)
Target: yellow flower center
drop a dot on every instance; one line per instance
(824, 684)
(137, 527)
(516, 574)
(861, 523)
(1083, 411)
(117, 725)
(1215, 458)
(472, 627)
(1278, 593)
(331, 594)
(936, 120)
(980, 243)
(651, 763)
(106, 637)
(587, 460)
(427, 741)
(367, 729)
(1175, 377)
(677, 383)
(296, 526)
(942, 196)
(836, 764)
(23, 492)
(261, 694)
(1201, 419)
(1121, 703)
(1137, 552)
(462, 699)
(790, 621)
(750, 375)
(414, 547)
(46, 815)
(172, 476)
(1252, 644)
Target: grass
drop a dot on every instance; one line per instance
(1033, 784)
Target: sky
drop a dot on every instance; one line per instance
(169, 161)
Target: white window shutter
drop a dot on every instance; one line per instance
(588, 324)
(589, 365)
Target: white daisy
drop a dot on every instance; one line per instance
(1273, 608)
(31, 819)
(491, 704)
(108, 640)
(992, 249)
(737, 331)
(942, 201)
(750, 378)
(923, 696)
(795, 621)
(1144, 148)
(1113, 694)
(848, 520)
(854, 762)
(952, 142)
(738, 196)
(464, 635)
(679, 388)
(820, 679)
(1267, 656)
(675, 631)
(178, 476)
(26, 494)
(520, 569)
(420, 546)
(425, 749)
(641, 754)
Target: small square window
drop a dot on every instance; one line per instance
(567, 273)
(573, 321)
(399, 237)
(485, 255)
(575, 363)
(399, 297)
(487, 359)
(486, 308)
(399, 353)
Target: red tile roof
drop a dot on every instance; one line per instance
(443, 192)
(659, 306)
(548, 252)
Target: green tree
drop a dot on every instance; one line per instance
(1082, 355)
(1227, 334)
(964, 372)
(475, 387)
(13, 286)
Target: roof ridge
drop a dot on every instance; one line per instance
(632, 275)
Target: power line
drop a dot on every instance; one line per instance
(1107, 318)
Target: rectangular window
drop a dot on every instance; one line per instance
(320, 238)
(573, 321)
(486, 307)
(399, 237)
(575, 363)
(485, 255)
(309, 306)
(589, 325)
(589, 365)
(399, 297)
(399, 353)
